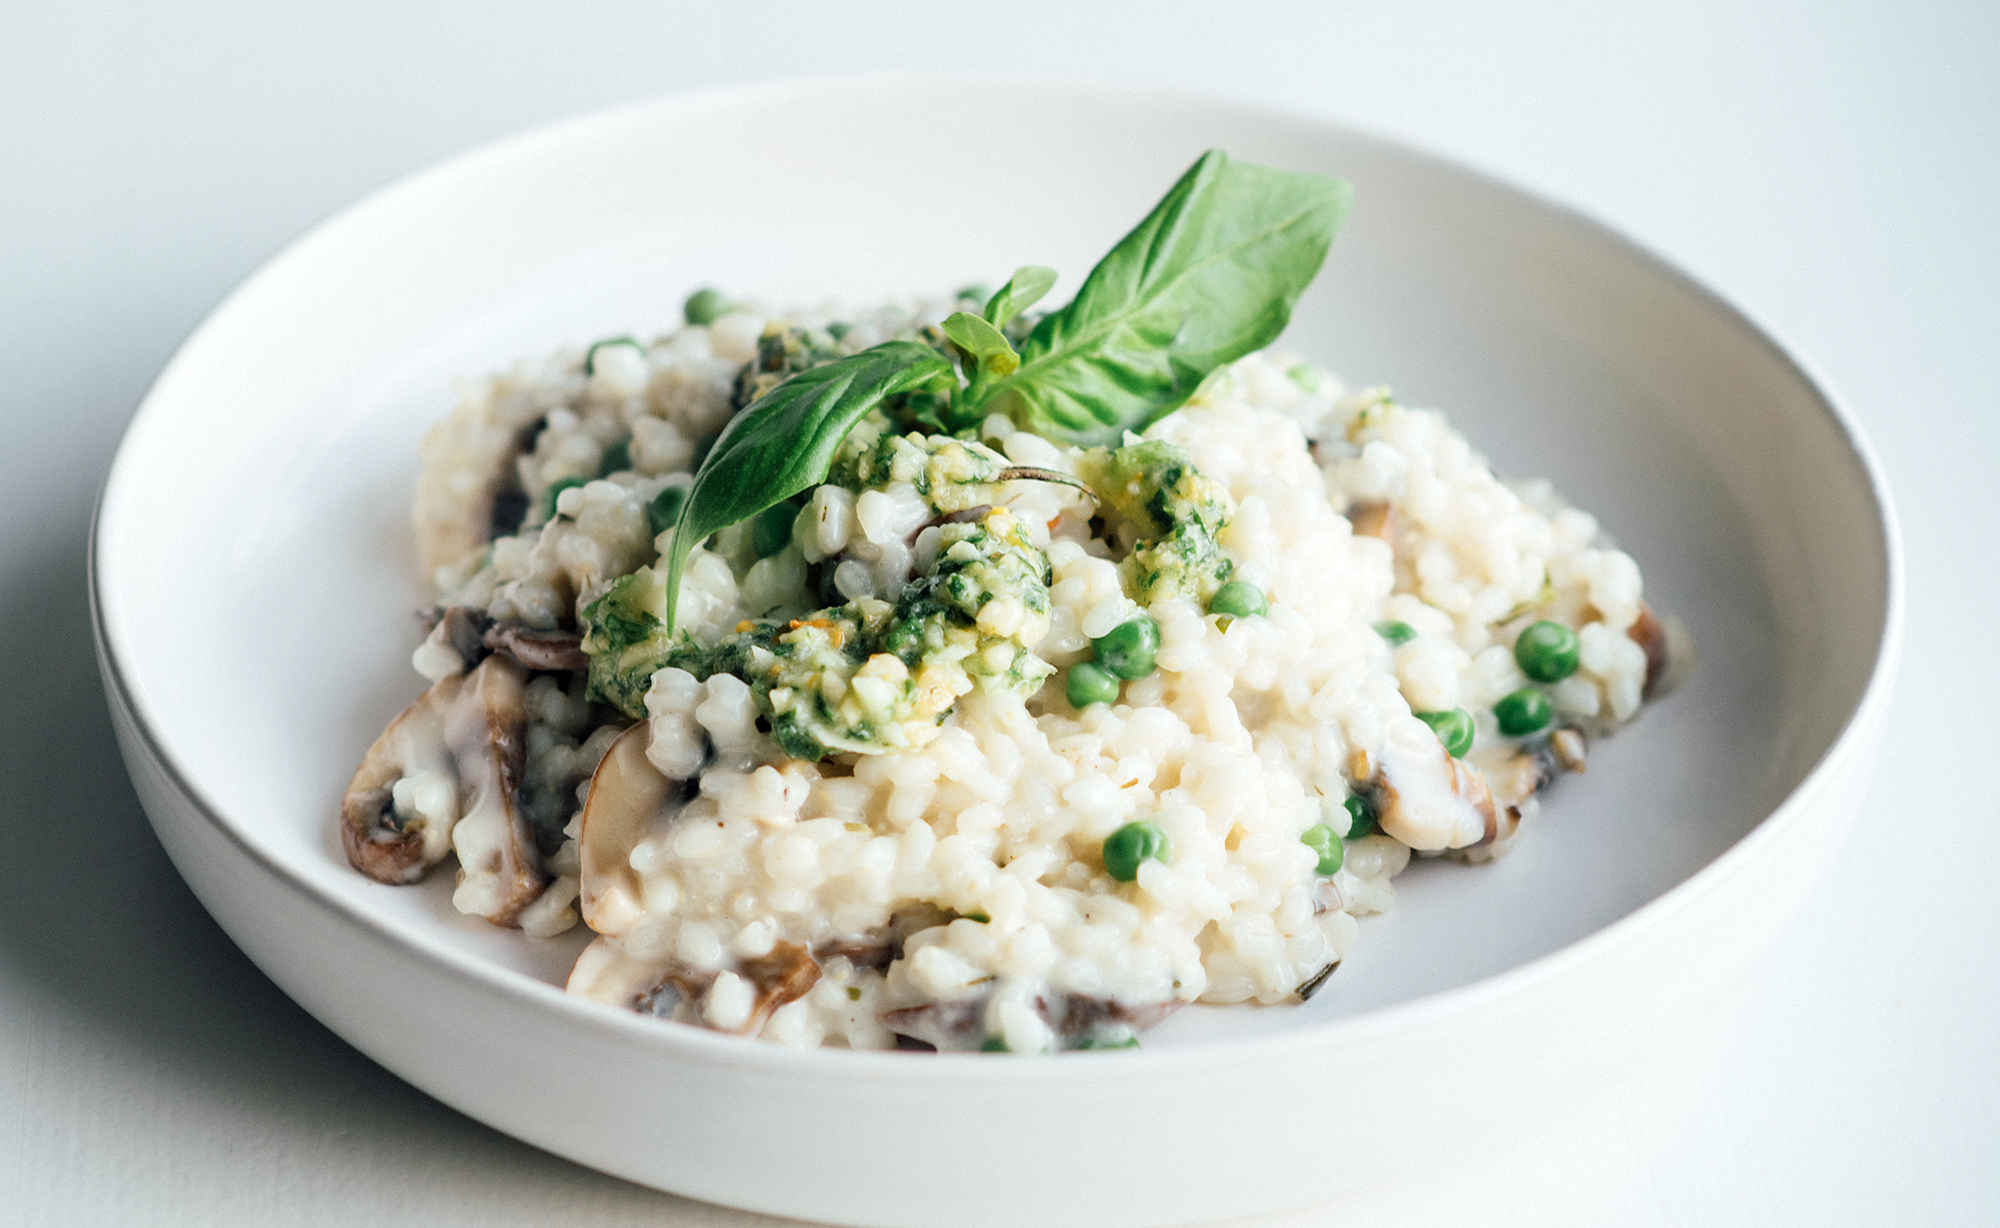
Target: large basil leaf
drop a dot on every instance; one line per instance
(1210, 275)
(784, 442)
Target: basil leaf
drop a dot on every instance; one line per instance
(1022, 291)
(1210, 275)
(988, 354)
(784, 442)
(982, 341)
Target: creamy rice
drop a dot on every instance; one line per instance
(946, 882)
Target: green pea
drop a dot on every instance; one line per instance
(1453, 728)
(1091, 684)
(1131, 844)
(617, 459)
(1397, 633)
(1238, 599)
(1360, 817)
(1325, 841)
(664, 512)
(1128, 649)
(553, 492)
(1523, 712)
(771, 531)
(590, 355)
(1546, 651)
(1092, 1042)
(993, 1044)
(705, 306)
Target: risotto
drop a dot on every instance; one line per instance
(988, 734)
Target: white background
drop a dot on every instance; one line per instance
(1834, 168)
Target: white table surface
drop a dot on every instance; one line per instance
(1834, 168)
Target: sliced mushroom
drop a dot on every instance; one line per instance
(1568, 747)
(469, 635)
(1373, 520)
(1078, 1017)
(1426, 798)
(628, 798)
(397, 846)
(1511, 784)
(875, 955)
(947, 1027)
(460, 628)
(783, 975)
(670, 988)
(454, 643)
(543, 651)
(486, 729)
(458, 753)
(1648, 634)
(606, 973)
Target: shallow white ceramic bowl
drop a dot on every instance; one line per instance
(254, 578)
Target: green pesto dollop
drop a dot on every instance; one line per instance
(953, 475)
(869, 676)
(1174, 512)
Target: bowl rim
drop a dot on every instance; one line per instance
(716, 1049)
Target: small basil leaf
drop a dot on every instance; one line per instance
(1022, 291)
(1210, 275)
(981, 340)
(783, 442)
(990, 354)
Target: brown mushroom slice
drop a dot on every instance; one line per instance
(1426, 798)
(1079, 1019)
(628, 799)
(1374, 519)
(1509, 786)
(781, 976)
(948, 1027)
(392, 845)
(453, 643)
(543, 651)
(1648, 634)
(607, 973)
(486, 728)
(1569, 749)
(469, 635)
(876, 956)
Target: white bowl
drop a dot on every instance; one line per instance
(254, 575)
